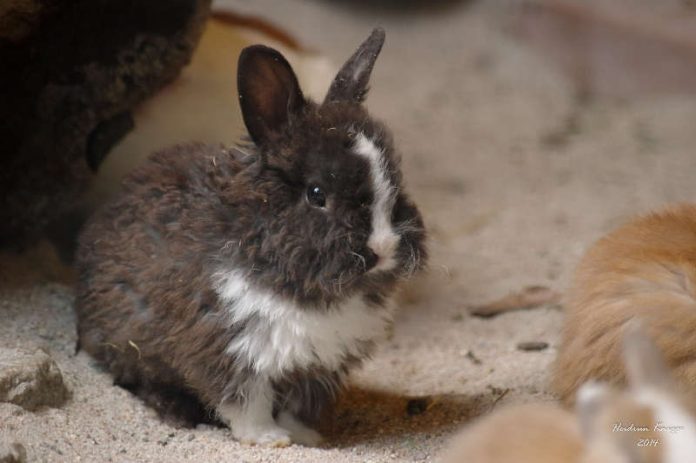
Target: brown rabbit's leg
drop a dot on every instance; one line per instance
(251, 421)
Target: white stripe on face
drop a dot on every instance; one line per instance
(383, 240)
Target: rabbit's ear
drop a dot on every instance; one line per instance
(645, 364)
(351, 82)
(591, 398)
(268, 91)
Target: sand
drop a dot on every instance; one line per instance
(515, 178)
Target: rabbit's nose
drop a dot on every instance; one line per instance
(384, 244)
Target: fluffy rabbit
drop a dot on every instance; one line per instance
(252, 279)
(653, 421)
(647, 270)
(531, 433)
(648, 423)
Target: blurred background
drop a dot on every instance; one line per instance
(528, 128)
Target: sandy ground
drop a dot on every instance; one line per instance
(515, 180)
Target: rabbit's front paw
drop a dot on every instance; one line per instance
(299, 433)
(269, 436)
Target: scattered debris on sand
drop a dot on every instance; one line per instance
(529, 298)
(31, 379)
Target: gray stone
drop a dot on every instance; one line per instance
(31, 379)
(12, 452)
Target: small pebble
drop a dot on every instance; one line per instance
(417, 406)
(531, 346)
(471, 356)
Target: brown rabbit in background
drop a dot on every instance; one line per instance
(664, 423)
(653, 421)
(646, 269)
(530, 433)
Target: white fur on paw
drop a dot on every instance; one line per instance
(273, 436)
(299, 433)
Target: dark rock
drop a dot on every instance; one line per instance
(31, 379)
(19, 17)
(417, 406)
(71, 73)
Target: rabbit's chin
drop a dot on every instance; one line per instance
(323, 290)
(374, 286)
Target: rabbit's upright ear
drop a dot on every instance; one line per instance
(268, 91)
(351, 82)
(645, 364)
(592, 397)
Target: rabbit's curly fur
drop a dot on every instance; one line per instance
(215, 274)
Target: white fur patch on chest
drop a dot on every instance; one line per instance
(279, 336)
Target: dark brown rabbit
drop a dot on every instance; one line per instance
(251, 279)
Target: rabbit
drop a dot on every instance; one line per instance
(250, 280)
(650, 422)
(646, 269)
(529, 433)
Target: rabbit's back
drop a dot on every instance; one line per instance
(144, 270)
(170, 210)
(645, 269)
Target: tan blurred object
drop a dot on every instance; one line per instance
(531, 433)
(650, 421)
(616, 49)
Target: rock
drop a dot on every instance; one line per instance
(18, 17)
(72, 72)
(13, 452)
(31, 379)
(417, 406)
(532, 346)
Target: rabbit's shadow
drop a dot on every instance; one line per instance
(363, 415)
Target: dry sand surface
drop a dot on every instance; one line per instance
(515, 179)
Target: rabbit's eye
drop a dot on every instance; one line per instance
(316, 196)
